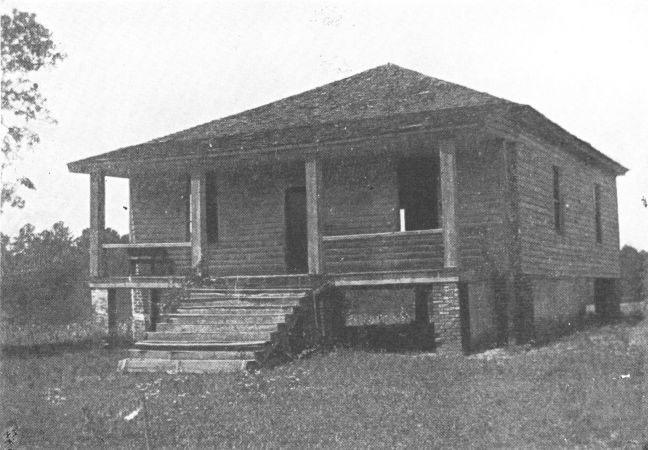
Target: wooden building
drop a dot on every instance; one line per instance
(503, 223)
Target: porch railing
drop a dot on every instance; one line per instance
(390, 251)
(147, 259)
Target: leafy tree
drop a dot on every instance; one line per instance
(27, 47)
(45, 273)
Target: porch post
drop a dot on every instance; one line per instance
(97, 222)
(313, 214)
(198, 221)
(448, 201)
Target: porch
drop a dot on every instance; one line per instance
(260, 230)
(379, 211)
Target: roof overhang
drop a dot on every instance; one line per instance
(279, 144)
(339, 138)
(523, 120)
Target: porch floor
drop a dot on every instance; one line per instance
(356, 279)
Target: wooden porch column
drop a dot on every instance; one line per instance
(313, 215)
(448, 201)
(97, 222)
(198, 221)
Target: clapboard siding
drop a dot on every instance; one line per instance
(159, 209)
(360, 195)
(251, 223)
(574, 252)
(159, 214)
(480, 213)
(382, 253)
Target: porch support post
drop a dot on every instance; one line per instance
(448, 201)
(198, 221)
(313, 214)
(97, 222)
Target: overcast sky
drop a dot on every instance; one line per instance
(137, 70)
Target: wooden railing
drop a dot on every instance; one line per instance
(390, 251)
(148, 259)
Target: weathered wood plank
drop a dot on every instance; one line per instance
(345, 237)
(198, 220)
(149, 245)
(448, 200)
(97, 222)
(313, 215)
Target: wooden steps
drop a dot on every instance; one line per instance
(226, 324)
(186, 365)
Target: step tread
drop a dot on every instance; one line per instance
(238, 309)
(202, 345)
(191, 354)
(186, 365)
(215, 327)
(163, 335)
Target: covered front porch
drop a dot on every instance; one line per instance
(387, 210)
(354, 215)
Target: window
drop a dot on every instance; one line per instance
(211, 200)
(418, 189)
(559, 223)
(597, 213)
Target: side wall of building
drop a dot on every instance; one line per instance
(560, 267)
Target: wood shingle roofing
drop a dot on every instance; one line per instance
(385, 99)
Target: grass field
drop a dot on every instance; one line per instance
(586, 390)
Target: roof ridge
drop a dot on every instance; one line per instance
(322, 87)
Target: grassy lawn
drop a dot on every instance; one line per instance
(585, 390)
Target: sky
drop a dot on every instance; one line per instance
(136, 70)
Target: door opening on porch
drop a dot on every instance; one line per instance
(296, 231)
(418, 193)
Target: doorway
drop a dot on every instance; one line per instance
(296, 231)
(606, 298)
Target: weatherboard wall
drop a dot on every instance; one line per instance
(159, 213)
(573, 252)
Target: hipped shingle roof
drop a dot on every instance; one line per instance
(387, 98)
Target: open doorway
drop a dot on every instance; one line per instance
(606, 298)
(296, 231)
(418, 193)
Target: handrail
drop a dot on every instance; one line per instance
(148, 245)
(344, 237)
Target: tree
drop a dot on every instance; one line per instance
(27, 47)
(45, 273)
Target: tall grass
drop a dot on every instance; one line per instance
(586, 390)
(39, 334)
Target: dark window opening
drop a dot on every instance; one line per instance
(597, 213)
(211, 200)
(557, 202)
(418, 192)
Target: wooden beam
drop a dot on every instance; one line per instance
(448, 201)
(198, 221)
(313, 215)
(149, 245)
(97, 222)
(348, 237)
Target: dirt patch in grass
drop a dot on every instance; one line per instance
(588, 389)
